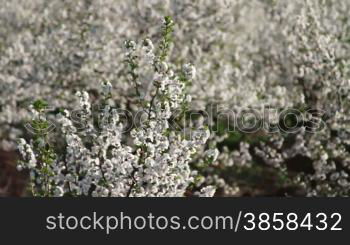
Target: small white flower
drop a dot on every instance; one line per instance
(58, 192)
(207, 191)
(212, 154)
(189, 71)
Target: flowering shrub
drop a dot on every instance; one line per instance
(98, 162)
(271, 85)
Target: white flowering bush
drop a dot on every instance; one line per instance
(97, 161)
(271, 85)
